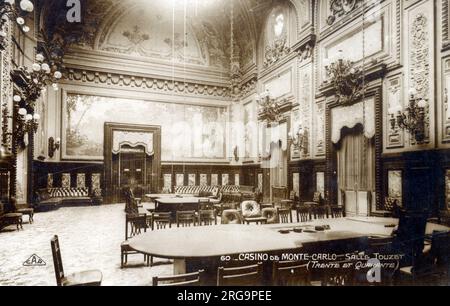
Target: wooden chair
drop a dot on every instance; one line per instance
(26, 211)
(303, 214)
(10, 218)
(240, 276)
(285, 215)
(290, 273)
(186, 218)
(337, 212)
(434, 264)
(190, 279)
(279, 193)
(207, 214)
(161, 220)
(343, 274)
(134, 225)
(84, 278)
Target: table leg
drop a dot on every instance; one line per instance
(179, 266)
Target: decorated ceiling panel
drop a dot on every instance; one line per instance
(194, 32)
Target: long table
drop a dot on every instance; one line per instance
(174, 204)
(203, 247)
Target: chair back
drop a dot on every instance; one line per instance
(57, 261)
(317, 197)
(134, 224)
(205, 204)
(161, 220)
(410, 236)
(240, 276)
(190, 279)
(303, 214)
(186, 218)
(207, 217)
(279, 193)
(337, 212)
(284, 215)
(250, 209)
(290, 273)
(440, 248)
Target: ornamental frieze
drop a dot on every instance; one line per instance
(155, 85)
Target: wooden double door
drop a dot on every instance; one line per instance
(134, 170)
(131, 160)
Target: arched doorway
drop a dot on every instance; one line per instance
(356, 171)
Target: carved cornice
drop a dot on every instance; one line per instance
(249, 87)
(152, 84)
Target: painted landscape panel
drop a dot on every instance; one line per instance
(188, 131)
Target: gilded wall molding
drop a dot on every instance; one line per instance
(151, 84)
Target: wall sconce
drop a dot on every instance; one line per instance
(300, 139)
(25, 122)
(412, 118)
(53, 146)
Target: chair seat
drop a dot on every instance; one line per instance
(84, 278)
(12, 215)
(25, 211)
(125, 244)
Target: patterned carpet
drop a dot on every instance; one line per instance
(90, 238)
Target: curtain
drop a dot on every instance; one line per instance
(356, 161)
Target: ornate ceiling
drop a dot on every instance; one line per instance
(154, 29)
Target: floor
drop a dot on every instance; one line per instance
(90, 238)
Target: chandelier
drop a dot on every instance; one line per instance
(348, 80)
(269, 108)
(10, 10)
(41, 75)
(412, 118)
(300, 139)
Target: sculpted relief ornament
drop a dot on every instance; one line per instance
(420, 62)
(277, 47)
(340, 8)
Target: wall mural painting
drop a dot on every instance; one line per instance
(260, 181)
(188, 131)
(65, 181)
(395, 185)
(295, 122)
(320, 183)
(225, 179)
(180, 179)
(96, 181)
(50, 180)
(250, 131)
(237, 179)
(191, 179)
(81, 180)
(296, 184)
(167, 182)
(214, 179)
(203, 179)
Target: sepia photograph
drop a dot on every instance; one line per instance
(224, 144)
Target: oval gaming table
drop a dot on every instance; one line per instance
(197, 248)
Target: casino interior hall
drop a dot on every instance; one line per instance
(224, 142)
